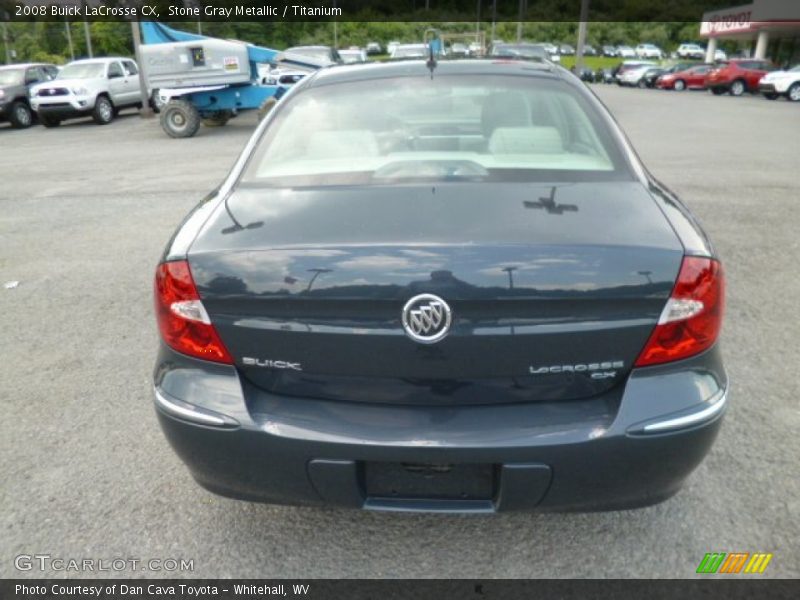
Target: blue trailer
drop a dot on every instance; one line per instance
(197, 79)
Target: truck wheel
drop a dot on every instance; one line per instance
(20, 115)
(266, 106)
(180, 119)
(103, 112)
(49, 121)
(219, 119)
(794, 92)
(680, 85)
(737, 88)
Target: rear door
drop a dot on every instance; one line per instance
(116, 83)
(132, 88)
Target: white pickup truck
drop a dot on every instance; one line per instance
(97, 87)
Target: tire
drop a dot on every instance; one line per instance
(717, 91)
(20, 115)
(642, 84)
(219, 119)
(103, 112)
(49, 121)
(266, 106)
(770, 95)
(793, 93)
(738, 88)
(680, 85)
(180, 119)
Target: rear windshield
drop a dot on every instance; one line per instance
(449, 128)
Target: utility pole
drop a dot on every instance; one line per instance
(5, 37)
(88, 39)
(68, 31)
(146, 111)
(519, 22)
(581, 36)
(335, 29)
(494, 19)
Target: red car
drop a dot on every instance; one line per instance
(691, 78)
(739, 76)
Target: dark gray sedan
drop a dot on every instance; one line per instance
(448, 287)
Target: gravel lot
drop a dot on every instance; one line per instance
(84, 214)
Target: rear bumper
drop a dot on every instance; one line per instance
(630, 447)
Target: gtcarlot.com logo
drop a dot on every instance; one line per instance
(47, 562)
(734, 562)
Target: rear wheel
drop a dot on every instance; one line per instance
(48, 121)
(20, 115)
(680, 85)
(794, 92)
(737, 88)
(103, 112)
(642, 83)
(180, 119)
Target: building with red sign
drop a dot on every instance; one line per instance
(763, 29)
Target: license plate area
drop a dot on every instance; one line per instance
(429, 481)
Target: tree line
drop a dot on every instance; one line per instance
(49, 41)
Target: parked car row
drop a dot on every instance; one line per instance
(98, 87)
(734, 77)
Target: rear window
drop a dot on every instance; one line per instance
(487, 128)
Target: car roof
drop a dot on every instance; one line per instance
(419, 67)
(26, 65)
(99, 59)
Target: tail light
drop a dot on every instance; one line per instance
(692, 317)
(182, 318)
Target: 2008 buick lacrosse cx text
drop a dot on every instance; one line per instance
(441, 286)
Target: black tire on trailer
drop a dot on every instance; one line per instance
(265, 107)
(20, 115)
(180, 119)
(49, 121)
(104, 111)
(218, 119)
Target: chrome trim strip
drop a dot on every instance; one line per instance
(686, 420)
(177, 410)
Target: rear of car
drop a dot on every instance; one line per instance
(455, 291)
(691, 51)
(738, 76)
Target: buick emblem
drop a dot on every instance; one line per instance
(426, 318)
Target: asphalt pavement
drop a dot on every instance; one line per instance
(85, 212)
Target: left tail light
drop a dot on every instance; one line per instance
(182, 319)
(692, 317)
